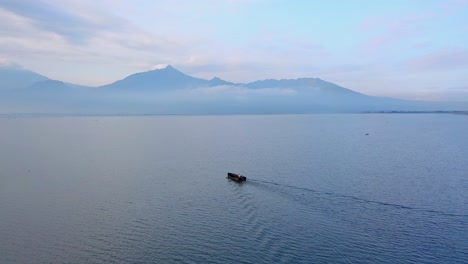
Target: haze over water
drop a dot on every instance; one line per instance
(152, 189)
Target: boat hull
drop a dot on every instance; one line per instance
(236, 177)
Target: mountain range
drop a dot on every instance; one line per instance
(169, 91)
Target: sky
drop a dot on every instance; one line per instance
(411, 49)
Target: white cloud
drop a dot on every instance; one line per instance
(4, 62)
(227, 91)
(158, 66)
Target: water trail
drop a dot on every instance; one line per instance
(267, 239)
(298, 199)
(337, 250)
(359, 199)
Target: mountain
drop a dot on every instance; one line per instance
(301, 83)
(156, 80)
(48, 85)
(14, 77)
(217, 82)
(169, 91)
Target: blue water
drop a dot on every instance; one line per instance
(152, 189)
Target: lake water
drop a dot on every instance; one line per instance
(153, 189)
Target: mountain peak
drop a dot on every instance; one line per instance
(167, 69)
(218, 81)
(159, 79)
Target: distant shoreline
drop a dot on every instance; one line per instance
(26, 115)
(417, 112)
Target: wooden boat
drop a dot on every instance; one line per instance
(236, 177)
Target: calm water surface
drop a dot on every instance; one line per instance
(152, 189)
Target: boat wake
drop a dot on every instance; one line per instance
(288, 223)
(359, 199)
(258, 227)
